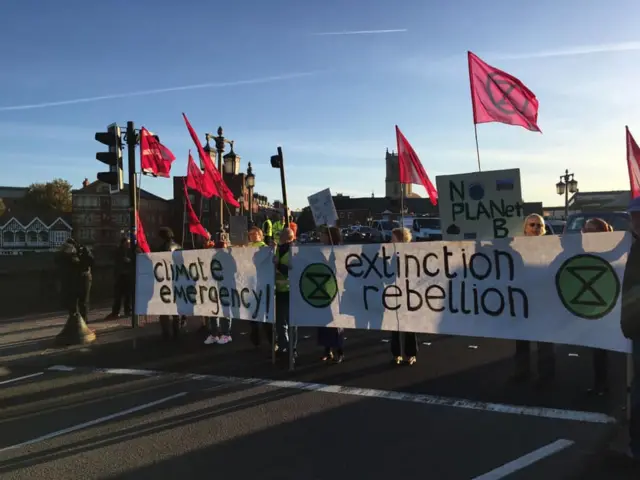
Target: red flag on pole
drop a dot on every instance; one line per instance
(198, 181)
(411, 169)
(155, 158)
(633, 164)
(497, 96)
(194, 223)
(141, 238)
(210, 170)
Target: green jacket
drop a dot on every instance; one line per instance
(267, 228)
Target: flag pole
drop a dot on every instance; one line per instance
(475, 130)
(473, 108)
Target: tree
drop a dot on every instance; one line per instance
(54, 195)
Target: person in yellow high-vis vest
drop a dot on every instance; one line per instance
(267, 231)
(282, 261)
(278, 227)
(256, 240)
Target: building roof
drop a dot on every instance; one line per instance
(13, 192)
(93, 188)
(26, 216)
(600, 200)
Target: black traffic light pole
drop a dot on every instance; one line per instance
(283, 185)
(132, 141)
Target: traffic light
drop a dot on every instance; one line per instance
(276, 161)
(114, 177)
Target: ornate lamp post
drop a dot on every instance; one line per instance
(566, 184)
(229, 159)
(250, 183)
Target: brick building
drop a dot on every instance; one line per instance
(100, 219)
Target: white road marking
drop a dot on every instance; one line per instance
(91, 423)
(61, 368)
(530, 411)
(526, 460)
(17, 379)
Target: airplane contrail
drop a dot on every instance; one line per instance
(573, 51)
(361, 32)
(158, 90)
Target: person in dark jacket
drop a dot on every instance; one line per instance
(124, 277)
(630, 325)
(75, 262)
(170, 324)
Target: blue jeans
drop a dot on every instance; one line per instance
(220, 326)
(282, 323)
(634, 421)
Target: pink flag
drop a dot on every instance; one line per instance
(411, 169)
(222, 190)
(155, 158)
(497, 96)
(194, 223)
(141, 238)
(633, 164)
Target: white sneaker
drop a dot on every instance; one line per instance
(224, 339)
(211, 340)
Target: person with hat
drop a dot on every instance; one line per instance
(170, 324)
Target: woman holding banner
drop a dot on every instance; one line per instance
(403, 235)
(600, 357)
(256, 240)
(534, 227)
(332, 339)
(219, 327)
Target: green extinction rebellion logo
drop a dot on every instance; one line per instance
(588, 286)
(318, 285)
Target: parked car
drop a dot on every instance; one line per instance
(620, 221)
(426, 229)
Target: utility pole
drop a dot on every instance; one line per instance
(132, 141)
(277, 161)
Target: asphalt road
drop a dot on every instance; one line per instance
(453, 415)
(88, 424)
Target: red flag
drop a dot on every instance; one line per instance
(141, 238)
(411, 169)
(198, 181)
(155, 158)
(210, 170)
(633, 164)
(497, 96)
(194, 223)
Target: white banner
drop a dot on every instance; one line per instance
(562, 290)
(234, 283)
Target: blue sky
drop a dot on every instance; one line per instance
(335, 107)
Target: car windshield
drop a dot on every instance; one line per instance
(617, 221)
(389, 225)
(431, 223)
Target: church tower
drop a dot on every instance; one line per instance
(393, 187)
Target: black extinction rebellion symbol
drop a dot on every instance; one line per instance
(588, 286)
(500, 90)
(318, 285)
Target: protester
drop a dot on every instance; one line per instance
(282, 262)
(170, 324)
(219, 327)
(124, 278)
(332, 339)
(630, 324)
(75, 262)
(600, 356)
(403, 235)
(278, 225)
(294, 227)
(267, 228)
(534, 227)
(256, 241)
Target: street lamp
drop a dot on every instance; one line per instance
(220, 142)
(250, 183)
(231, 162)
(567, 184)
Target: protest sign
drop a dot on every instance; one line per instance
(553, 289)
(323, 209)
(233, 283)
(481, 205)
(239, 230)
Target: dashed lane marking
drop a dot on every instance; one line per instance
(531, 411)
(17, 379)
